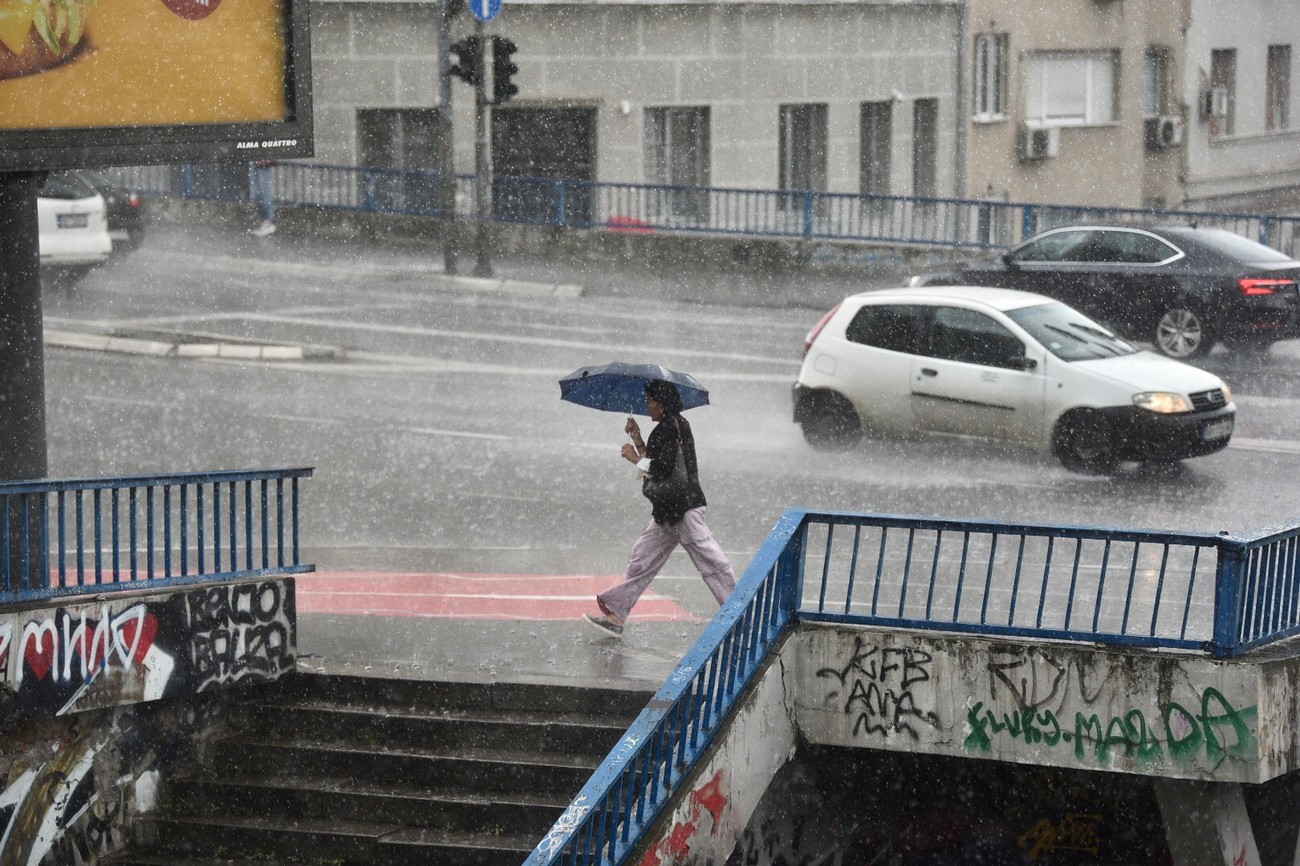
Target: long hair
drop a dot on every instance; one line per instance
(666, 395)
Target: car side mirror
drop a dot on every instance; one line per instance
(1009, 261)
(1022, 363)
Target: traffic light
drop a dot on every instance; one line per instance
(502, 68)
(469, 60)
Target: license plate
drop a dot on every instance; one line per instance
(1216, 430)
(74, 220)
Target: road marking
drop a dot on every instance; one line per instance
(470, 596)
(1271, 446)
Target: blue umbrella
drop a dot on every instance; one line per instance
(620, 387)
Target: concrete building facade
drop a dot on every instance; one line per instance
(826, 96)
(1242, 145)
(1062, 98)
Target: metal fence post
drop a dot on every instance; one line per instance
(187, 180)
(1027, 221)
(1228, 596)
(1265, 229)
(808, 215)
(560, 204)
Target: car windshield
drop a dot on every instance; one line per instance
(1068, 334)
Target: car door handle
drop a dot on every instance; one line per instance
(926, 371)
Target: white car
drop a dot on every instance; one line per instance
(1006, 365)
(73, 223)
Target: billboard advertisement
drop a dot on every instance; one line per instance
(139, 82)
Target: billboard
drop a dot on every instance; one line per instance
(140, 82)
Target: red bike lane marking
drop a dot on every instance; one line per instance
(470, 596)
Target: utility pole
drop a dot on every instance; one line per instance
(482, 171)
(446, 158)
(22, 343)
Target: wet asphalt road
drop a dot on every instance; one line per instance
(440, 442)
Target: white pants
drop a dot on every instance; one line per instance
(652, 550)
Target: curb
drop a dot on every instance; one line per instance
(434, 273)
(189, 349)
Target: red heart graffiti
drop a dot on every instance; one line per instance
(38, 658)
(148, 631)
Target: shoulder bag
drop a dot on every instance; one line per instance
(663, 489)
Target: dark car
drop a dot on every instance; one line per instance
(1182, 288)
(125, 208)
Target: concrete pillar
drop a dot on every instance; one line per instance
(1206, 823)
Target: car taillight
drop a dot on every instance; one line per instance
(817, 328)
(1263, 285)
(133, 199)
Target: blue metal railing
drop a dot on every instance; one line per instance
(955, 223)
(1214, 594)
(83, 536)
(642, 773)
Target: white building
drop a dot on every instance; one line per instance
(1243, 134)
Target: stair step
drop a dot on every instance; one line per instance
(526, 731)
(348, 800)
(264, 840)
(381, 694)
(488, 771)
(362, 772)
(253, 838)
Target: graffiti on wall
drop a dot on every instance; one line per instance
(1052, 700)
(703, 820)
(67, 784)
(1213, 727)
(877, 687)
(107, 653)
(239, 633)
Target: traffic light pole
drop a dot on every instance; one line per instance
(446, 159)
(482, 180)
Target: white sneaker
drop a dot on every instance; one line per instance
(266, 228)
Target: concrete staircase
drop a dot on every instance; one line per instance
(349, 770)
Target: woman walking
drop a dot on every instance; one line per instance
(677, 512)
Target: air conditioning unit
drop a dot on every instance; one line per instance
(1040, 142)
(1164, 132)
(1214, 102)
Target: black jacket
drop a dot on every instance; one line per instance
(661, 448)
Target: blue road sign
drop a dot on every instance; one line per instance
(485, 10)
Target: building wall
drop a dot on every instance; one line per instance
(743, 60)
(706, 822)
(1105, 164)
(99, 698)
(1253, 169)
(1060, 705)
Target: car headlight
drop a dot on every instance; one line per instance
(1163, 402)
(1227, 394)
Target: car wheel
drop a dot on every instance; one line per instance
(1085, 443)
(830, 422)
(1182, 332)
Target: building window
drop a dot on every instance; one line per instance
(802, 150)
(677, 155)
(1278, 99)
(925, 147)
(1223, 77)
(990, 97)
(876, 131)
(1155, 81)
(1070, 88)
